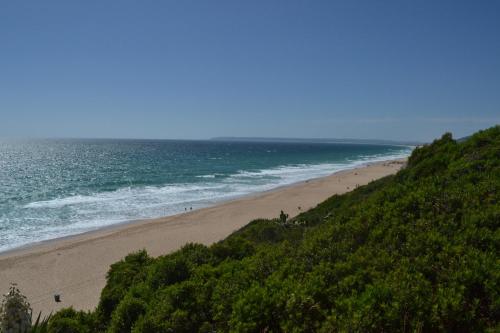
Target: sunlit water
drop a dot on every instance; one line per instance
(54, 188)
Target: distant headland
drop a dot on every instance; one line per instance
(318, 140)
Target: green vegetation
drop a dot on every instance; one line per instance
(16, 314)
(418, 251)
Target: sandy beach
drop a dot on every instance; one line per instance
(75, 267)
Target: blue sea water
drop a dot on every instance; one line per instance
(54, 188)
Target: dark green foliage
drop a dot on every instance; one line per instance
(66, 325)
(418, 251)
(71, 321)
(126, 313)
(121, 277)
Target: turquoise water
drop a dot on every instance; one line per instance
(54, 188)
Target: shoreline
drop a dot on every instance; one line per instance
(28, 246)
(75, 266)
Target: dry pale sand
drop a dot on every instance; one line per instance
(76, 266)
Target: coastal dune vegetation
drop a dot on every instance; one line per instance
(414, 252)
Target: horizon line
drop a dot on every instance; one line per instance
(232, 138)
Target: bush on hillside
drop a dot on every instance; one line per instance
(417, 251)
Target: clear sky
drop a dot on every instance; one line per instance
(197, 69)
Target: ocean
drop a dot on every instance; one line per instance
(55, 188)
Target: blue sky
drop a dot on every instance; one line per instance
(197, 69)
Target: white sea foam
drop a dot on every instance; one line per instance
(79, 213)
(213, 175)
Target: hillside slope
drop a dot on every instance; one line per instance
(418, 251)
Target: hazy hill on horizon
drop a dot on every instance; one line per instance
(318, 140)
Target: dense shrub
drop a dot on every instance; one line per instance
(122, 276)
(126, 313)
(70, 321)
(418, 251)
